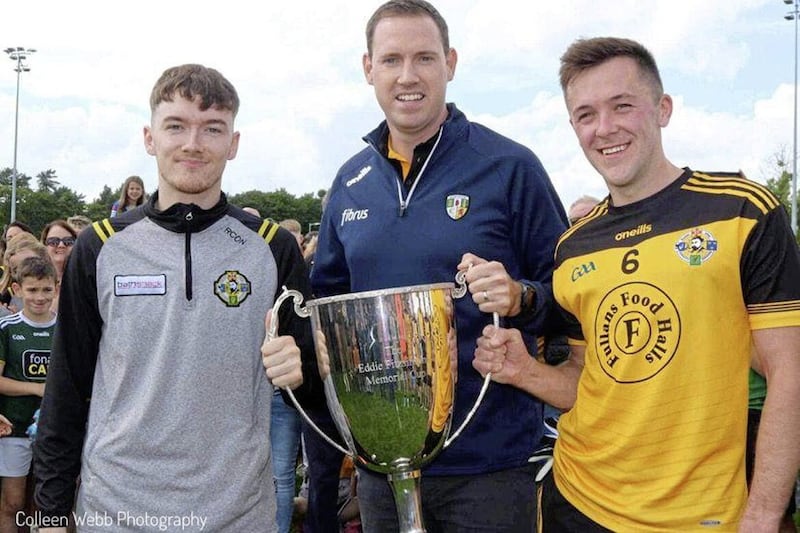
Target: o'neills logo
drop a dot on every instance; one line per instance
(361, 173)
(637, 332)
(627, 234)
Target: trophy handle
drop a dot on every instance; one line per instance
(303, 312)
(459, 292)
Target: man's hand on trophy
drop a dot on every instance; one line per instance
(281, 358)
(503, 353)
(492, 289)
(323, 360)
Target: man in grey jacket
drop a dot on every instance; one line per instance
(157, 393)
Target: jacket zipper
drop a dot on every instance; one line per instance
(407, 200)
(188, 256)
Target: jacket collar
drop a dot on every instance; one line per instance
(185, 218)
(454, 125)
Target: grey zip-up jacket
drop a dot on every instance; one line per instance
(156, 392)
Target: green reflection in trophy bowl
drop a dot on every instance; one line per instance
(376, 417)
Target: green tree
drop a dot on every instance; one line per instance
(38, 208)
(47, 181)
(100, 207)
(23, 180)
(309, 207)
(279, 205)
(778, 177)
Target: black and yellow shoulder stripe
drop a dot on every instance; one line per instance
(268, 230)
(597, 211)
(733, 184)
(103, 229)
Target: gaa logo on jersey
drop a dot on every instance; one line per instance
(457, 205)
(696, 246)
(232, 288)
(637, 331)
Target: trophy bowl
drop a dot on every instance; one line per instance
(390, 390)
(392, 372)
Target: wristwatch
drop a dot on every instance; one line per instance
(527, 297)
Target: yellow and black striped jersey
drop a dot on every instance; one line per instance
(666, 292)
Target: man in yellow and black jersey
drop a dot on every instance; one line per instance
(666, 283)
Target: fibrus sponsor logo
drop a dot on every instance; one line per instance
(349, 215)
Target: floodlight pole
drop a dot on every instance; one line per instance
(18, 54)
(794, 15)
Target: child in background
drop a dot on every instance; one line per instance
(25, 342)
(131, 196)
(19, 248)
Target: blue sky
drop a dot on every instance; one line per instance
(305, 105)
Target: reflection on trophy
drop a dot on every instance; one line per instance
(392, 377)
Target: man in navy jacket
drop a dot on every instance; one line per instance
(430, 195)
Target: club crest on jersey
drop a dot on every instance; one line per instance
(232, 288)
(457, 205)
(696, 246)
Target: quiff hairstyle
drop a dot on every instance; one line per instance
(192, 81)
(584, 54)
(36, 268)
(407, 8)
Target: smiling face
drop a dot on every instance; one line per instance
(191, 148)
(409, 70)
(617, 115)
(134, 192)
(59, 252)
(37, 297)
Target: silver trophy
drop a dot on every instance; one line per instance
(393, 360)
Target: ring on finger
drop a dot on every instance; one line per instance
(485, 296)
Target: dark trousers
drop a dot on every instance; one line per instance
(503, 501)
(324, 465)
(560, 516)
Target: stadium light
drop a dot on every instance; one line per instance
(17, 54)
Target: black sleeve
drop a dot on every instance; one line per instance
(293, 273)
(65, 405)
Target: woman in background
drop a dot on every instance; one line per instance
(59, 237)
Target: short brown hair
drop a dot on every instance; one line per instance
(78, 222)
(584, 54)
(191, 81)
(407, 8)
(36, 268)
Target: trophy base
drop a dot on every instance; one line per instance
(405, 484)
